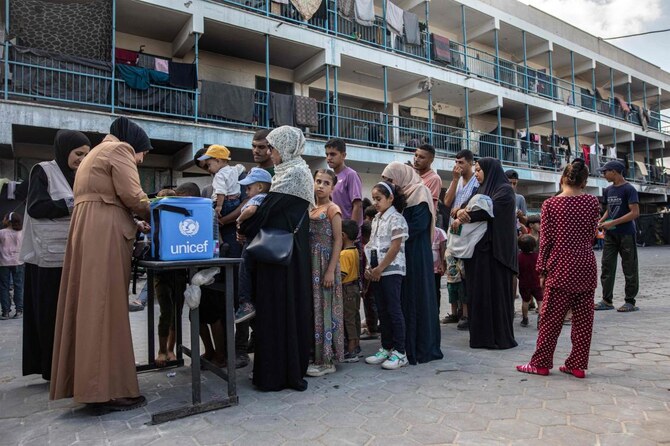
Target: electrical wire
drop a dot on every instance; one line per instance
(638, 34)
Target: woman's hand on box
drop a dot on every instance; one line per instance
(143, 226)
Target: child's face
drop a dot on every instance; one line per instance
(213, 165)
(323, 185)
(254, 189)
(535, 227)
(380, 201)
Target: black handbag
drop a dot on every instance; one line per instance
(275, 246)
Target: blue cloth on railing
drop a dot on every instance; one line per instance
(281, 109)
(364, 12)
(228, 101)
(183, 75)
(134, 77)
(412, 32)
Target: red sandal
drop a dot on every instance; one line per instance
(577, 373)
(527, 368)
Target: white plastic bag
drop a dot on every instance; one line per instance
(192, 293)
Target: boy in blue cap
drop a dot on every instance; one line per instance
(258, 184)
(619, 224)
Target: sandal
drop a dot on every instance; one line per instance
(577, 373)
(602, 305)
(123, 404)
(627, 308)
(527, 368)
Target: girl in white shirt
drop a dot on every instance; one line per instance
(11, 268)
(386, 268)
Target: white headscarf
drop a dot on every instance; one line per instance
(292, 176)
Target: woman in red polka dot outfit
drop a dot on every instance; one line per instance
(568, 272)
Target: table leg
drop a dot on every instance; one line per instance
(230, 331)
(150, 318)
(195, 355)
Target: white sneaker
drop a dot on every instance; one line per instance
(320, 370)
(395, 361)
(379, 357)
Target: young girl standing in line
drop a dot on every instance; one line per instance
(325, 241)
(386, 267)
(11, 268)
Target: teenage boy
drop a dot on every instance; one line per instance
(347, 193)
(463, 185)
(521, 209)
(618, 222)
(423, 161)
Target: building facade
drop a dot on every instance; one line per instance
(496, 76)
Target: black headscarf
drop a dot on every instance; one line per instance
(127, 131)
(502, 230)
(64, 143)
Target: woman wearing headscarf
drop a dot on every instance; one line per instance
(422, 324)
(491, 269)
(47, 221)
(284, 320)
(93, 358)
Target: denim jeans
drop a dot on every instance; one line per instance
(246, 272)
(8, 275)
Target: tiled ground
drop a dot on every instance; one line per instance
(470, 397)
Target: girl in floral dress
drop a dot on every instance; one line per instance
(325, 241)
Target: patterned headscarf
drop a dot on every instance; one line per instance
(292, 175)
(405, 177)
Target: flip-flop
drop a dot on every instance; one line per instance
(602, 305)
(627, 308)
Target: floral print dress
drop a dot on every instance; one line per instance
(328, 302)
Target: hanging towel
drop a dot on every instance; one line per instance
(183, 75)
(441, 50)
(306, 8)
(134, 77)
(412, 32)
(346, 8)
(624, 106)
(394, 19)
(364, 12)
(146, 61)
(125, 57)
(306, 112)
(281, 109)
(227, 101)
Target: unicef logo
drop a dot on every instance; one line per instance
(189, 227)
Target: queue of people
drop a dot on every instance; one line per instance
(305, 315)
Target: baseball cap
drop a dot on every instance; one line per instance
(512, 174)
(256, 175)
(614, 165)
(216, 151)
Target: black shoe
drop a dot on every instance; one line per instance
(464, 324)
(524, 322)
(450, 319)
(4, 316)
(18, 315)
(135, 306)
(242, 360)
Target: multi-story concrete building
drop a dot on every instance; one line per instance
(496, 76)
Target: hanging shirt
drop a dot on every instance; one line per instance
(394, 18)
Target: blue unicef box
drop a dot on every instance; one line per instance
(182, 228)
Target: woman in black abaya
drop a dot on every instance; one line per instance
(491, 269)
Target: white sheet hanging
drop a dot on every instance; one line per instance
(394, 18)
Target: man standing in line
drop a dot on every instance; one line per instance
(348, 193)
(463, 185)
(623, 207)
(521, 209)
(423, 161)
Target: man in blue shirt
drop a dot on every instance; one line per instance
(619, 223)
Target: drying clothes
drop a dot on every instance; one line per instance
(412, 32)
(146, 61)
(346, 8)
(394, 18)
(624, 106)
(125, 57)
(306, 112)
(281, 109)
(134, 77)
(162, 65)
(227, 101)
(306, 8)
(364, 12)
(183, 75)
(281, 2)
(603, 93)
(441, 51)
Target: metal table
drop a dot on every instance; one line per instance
(197, 406)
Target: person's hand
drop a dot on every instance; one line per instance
(542, 279)
(457, 172)
(519, 213)
(217, 211)
(241, 238)
(143, 226)
(454, 226)
(606, 225)
(375, 274)
(328, 279)
(441, 268)
(463, 216)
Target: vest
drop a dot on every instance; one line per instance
(45, 239)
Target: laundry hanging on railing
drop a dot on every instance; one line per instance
(141, 78)
(183, 75)
(306, 112)
(346, 8)
(412, 31)
(166, 100)
(306, 8)
(126, 57)
(282, 109)
(394, 18)
(624, 106)
(227, 101)
(441, 49)
(364, 12)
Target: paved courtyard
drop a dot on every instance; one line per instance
(470, 397)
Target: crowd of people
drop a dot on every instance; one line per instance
(85, 208)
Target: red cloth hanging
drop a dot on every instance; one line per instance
(126, 57)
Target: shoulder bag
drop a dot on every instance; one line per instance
(275, 246)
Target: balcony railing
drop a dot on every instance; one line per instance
(34, 76)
